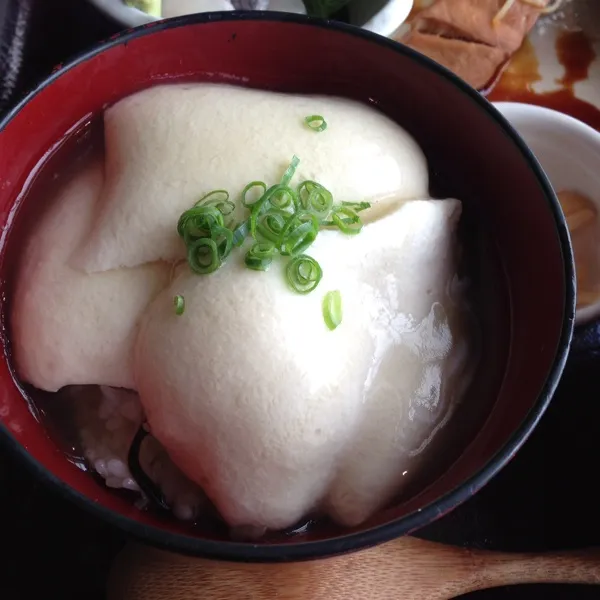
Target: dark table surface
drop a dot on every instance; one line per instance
(546, 499)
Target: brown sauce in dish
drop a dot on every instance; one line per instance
(575, 53)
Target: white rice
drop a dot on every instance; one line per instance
(107, 421)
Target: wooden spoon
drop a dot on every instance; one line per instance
(407, 569)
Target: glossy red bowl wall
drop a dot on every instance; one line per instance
(470, 147)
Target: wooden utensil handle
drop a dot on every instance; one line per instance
(407, 568)
(575, 566)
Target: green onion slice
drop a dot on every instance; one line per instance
(260, 256)
(357, 206)
(299, 240)
(347, 220)
(253, 184)
(240, 233)
(278, 196)
(220, 200)
(316, 122)
(197, 222)
(271, 224)
(223, 238)
(282, 196)
(332, 309)
(179, 304)
(298, 234)
(203, 256)
(314, 198)
(303, 274)
(290, 171)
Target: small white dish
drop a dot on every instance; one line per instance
(569, 152)
(379, 16)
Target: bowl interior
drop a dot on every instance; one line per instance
(472, 156)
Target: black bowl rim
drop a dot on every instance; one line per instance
(247, 552)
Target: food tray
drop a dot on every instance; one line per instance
(545, 499)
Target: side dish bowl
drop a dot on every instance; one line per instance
(569, 152)
(473, 155)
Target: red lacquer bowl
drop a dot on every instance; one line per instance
(473, 154)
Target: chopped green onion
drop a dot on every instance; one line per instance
(279, 196)
(203, 256)
(250, 186)
(289, 173)
(271, 224)
(223, 238)
(214, 198)
(357, 206)
(303, 274)
(220, 200)
(240, 233)
(198, 222)
(332, 309)
(299, 233)
(316, 122)
(315, 198)
(281, 220)
(260, 256)
(258, 208)
(299, 240)
(282, 196)
(350, 223)
(179, 303)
